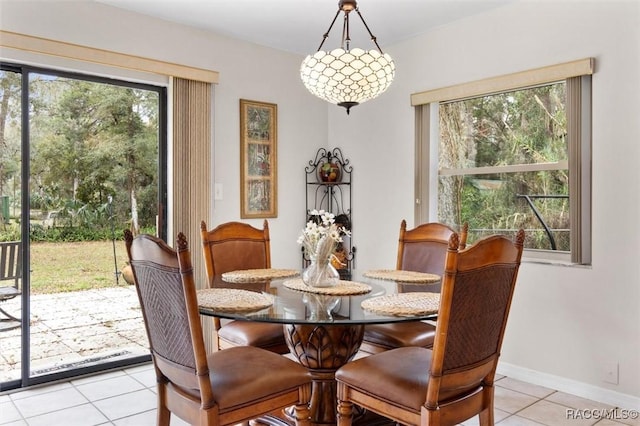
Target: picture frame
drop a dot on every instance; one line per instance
(258, 159)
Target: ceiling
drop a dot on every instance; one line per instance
(298, 25)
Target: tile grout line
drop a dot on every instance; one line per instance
(109, 422)
(527, 406)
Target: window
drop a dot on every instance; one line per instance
(510, 153)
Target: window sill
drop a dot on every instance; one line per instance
(547, 257)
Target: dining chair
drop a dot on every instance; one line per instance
(11, 271)
(235, 246)
(454, 381)
(421, 249)
(224, 388)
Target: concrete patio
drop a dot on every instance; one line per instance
(75, 329)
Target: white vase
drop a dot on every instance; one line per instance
(320, 274)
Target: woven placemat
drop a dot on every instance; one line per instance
(403, 276)
(403, 304)
(250, 275)
(233, 300)
(343, 288)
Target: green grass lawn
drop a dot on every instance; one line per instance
(74, 266)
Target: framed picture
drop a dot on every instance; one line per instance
(258, 159)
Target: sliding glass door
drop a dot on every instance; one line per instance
(11, 237)
(82, 159)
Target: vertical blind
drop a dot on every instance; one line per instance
(191, 164)
(192, 175)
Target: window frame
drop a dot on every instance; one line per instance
(577, 75)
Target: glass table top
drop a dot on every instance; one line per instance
(300, 307)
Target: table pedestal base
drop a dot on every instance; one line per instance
(323, 349)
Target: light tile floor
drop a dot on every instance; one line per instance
(127, 397)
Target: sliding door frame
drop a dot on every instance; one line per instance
(25, 71)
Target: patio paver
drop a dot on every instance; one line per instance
(74, 328)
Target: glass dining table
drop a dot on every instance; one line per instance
(323, 327)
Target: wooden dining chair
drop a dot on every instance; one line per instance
(225, 388)
(421, 249)
(235, 246)
(454, 381)
(424, 248)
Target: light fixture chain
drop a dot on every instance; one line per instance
(374, 39)
(346, 39)
(326, 35)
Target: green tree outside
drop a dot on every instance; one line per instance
(522, 127)
(90, 143)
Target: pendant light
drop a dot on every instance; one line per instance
(345, 76)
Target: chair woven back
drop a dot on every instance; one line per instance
(164, 281)
(476, 296)
(234, 246)
(478, 311)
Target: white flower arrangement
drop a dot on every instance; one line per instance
(321, 236)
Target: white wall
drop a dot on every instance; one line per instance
(566, 322)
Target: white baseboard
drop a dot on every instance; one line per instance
(573, 387)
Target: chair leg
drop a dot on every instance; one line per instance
(302, 412)
(486, 417)
(10, 322)
(345, 413)
(303, 415)
(163, 415)
(8, 315)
